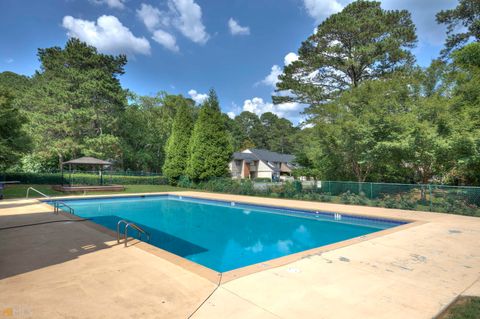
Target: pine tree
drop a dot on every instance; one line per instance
(177, 147)
(210, 146)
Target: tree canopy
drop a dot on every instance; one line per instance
(14, 141)
(463, 24)
(178, 144)
(210, 145)
(75, 102)
(362, 42)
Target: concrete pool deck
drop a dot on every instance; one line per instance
(71, 270)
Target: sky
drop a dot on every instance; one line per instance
(237, 47)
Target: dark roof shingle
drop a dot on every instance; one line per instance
(264, 155)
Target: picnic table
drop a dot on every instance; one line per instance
(3, 184)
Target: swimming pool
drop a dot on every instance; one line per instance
(226, 235)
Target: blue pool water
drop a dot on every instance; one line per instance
(224, 235)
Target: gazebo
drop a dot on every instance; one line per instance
(94, 163)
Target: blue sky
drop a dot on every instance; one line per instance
(189, 46)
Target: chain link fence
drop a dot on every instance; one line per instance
(429, 197)
(86, 178)
(463, 200)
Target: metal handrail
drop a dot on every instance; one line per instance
(118, 229)
(36, 190)
(57, 207)
(128, 224)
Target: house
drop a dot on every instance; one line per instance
(257, 163)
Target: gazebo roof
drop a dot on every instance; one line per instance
(87, 161)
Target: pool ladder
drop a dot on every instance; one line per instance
(58, 203)
(134, 226)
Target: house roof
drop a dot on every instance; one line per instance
(264, 155)
(269, 156)
(244, 156)
(88, 161)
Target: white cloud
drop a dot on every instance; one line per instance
(237, 29)
(153, 18)
(9, 60)
(165, 39)
(231, 115)
(320, 9)
(189, 20)
(272, 78)
(107, 34)
(289, 58)
(184, 15)
(115, 4)
(258, 106)
(150, 16)
(197, 97)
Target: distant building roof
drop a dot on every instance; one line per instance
(269, 156)
(87, 161)
(264, 155)
(244, 156)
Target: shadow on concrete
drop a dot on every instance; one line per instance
(28, 248)
(171, 243)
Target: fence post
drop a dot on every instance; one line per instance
(430, 194)
(371, 190)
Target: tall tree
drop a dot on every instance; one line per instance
(210, 145)
(249, 131)
(15, 83)
(145, 127)
(279, 133)
(356, 134)
(465, 141)
(177, 148)
(463, 24)
(76, 101)
(14, 141)
(362, 42)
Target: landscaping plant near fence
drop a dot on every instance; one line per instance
(438, 198)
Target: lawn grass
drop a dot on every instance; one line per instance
(20, 191)
(463, 308)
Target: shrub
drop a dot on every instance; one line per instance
(262, 180)
(289, 190)
(325, 197)
(452, 204)
(184, 182)
(298, 186)
(388, 202)
(353, 199)
(407, 202)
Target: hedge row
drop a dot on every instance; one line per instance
(82, 179)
